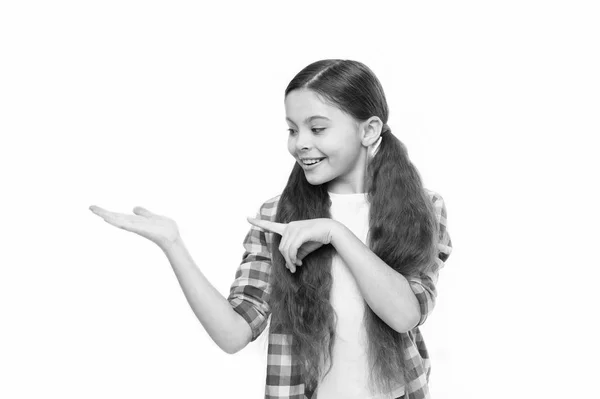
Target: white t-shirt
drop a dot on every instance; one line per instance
(348, 378)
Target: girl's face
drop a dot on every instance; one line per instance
(319, 131)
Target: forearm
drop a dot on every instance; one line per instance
(224, 325)
(386, 291)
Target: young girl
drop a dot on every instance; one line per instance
(343, 264)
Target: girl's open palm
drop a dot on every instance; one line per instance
(161, 230)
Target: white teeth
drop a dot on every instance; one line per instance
(311, 161)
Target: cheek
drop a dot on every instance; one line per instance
(341, 159)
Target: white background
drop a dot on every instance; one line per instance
(178, 107)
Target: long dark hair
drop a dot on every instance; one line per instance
(402, 232)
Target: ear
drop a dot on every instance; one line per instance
(371, 130)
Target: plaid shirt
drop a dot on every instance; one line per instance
(249, 296)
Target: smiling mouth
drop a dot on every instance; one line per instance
(312, 162)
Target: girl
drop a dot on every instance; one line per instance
(343, 264)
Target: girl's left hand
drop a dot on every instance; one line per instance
(299, 238)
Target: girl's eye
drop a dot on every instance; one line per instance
(293, 132)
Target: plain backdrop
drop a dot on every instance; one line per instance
(178, 107)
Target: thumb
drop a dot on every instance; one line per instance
(138, 210)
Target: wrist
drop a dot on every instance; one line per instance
(337, 230)
(169, 246)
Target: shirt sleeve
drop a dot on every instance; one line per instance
(424, 284)
(249, 292)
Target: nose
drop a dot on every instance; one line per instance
(303, 140)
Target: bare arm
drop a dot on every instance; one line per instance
(403, 303)
(233, 322)
(386, 291)
(225, 326)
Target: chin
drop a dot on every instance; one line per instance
(315, 181)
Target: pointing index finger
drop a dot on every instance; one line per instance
(268, 225)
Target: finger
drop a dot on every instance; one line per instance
(292, 237)
(104, 213)
(293, 249)
(307, 248)
(275, 227)
(291, 263)
(114, 221)
(97, 210)
(126, 222)
(138, 210)
(293, 244)
(117, 222)
(286, 247)
(292, 266)
(301, 254)
(283, 251)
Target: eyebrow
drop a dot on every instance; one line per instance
(310, 118)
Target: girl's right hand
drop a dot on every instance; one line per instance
(161, 230)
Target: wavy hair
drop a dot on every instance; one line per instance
(403, 232)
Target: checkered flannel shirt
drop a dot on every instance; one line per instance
(249, 296)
